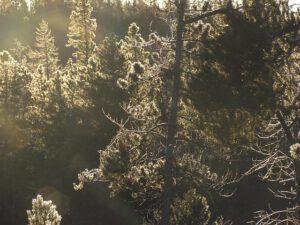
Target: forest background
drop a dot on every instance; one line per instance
(57, 114)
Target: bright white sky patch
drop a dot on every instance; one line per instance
(28, 3)
(295, 3)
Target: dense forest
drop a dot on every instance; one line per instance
(149, 113)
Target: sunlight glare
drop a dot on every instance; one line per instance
(295, 3)
(28, 2)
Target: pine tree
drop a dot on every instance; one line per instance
(46, 53)
(82, 31)
(15, 81)
(21, 53)
(133, 163)
(43, 213)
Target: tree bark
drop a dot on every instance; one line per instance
(172, 122)
(296, 131)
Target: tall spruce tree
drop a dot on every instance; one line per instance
(46, 54)
(82, 31)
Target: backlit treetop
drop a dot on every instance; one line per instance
(82, 31)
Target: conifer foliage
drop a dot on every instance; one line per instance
(82, 31)
(43, 213)
(177, 110)
(46, 54)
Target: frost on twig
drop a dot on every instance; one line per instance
(295, 151)
(85, 177)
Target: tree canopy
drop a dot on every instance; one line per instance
(136, 112)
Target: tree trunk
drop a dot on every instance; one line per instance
(296, 131)
(172, 123)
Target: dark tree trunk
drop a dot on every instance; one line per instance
(172, 122)
(296, 131)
